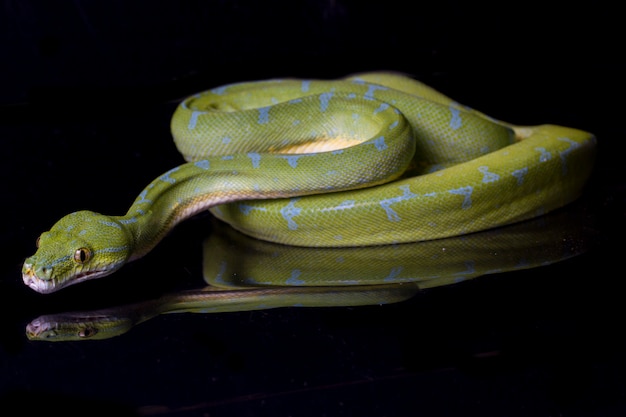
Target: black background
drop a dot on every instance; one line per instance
(88, 89)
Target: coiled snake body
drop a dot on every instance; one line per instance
(371, 159)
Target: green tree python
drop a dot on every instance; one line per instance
(371, 159)
(240, 278)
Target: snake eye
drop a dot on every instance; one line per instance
(87, 332)
(82, 255)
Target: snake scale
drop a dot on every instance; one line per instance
(370, 159)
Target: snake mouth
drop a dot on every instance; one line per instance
(37, 328)
(49, 286)
(38, 284)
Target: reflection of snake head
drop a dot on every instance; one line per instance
(77, 326)
(82, 245)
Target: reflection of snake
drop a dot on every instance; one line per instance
(289, 138)
(248, 274)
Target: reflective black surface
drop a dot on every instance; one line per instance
(87, 95)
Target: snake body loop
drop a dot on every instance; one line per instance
(372, 159)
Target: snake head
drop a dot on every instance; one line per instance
(95, 325)
(81, 246)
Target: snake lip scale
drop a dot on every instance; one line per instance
(48, 286)
(370, 159)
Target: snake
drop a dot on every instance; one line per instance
(369, 159)
(239, 278)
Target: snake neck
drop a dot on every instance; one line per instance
(173, 197)
(197, 186)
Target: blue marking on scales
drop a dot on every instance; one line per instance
(344, 205)
(193, 120)
(246, 209)
(470, 269)
(166, 177)
(455, 121)
(371, 89)
(111, 224)
(219, 90)
(380, 144)
(519, 174)
(219, 278)
(141, 199)
(325, 100)
(264, 115)
(304, 87)
(112, 249)
(381, 108)
(59, 261)
(294, 279)
(203, 164)
(563, 154)
(544, 155)
(466, 192)
(289, 212)
(292, 160)
(392, 216)
(488, 176)
(255, 158)
(393, 274)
